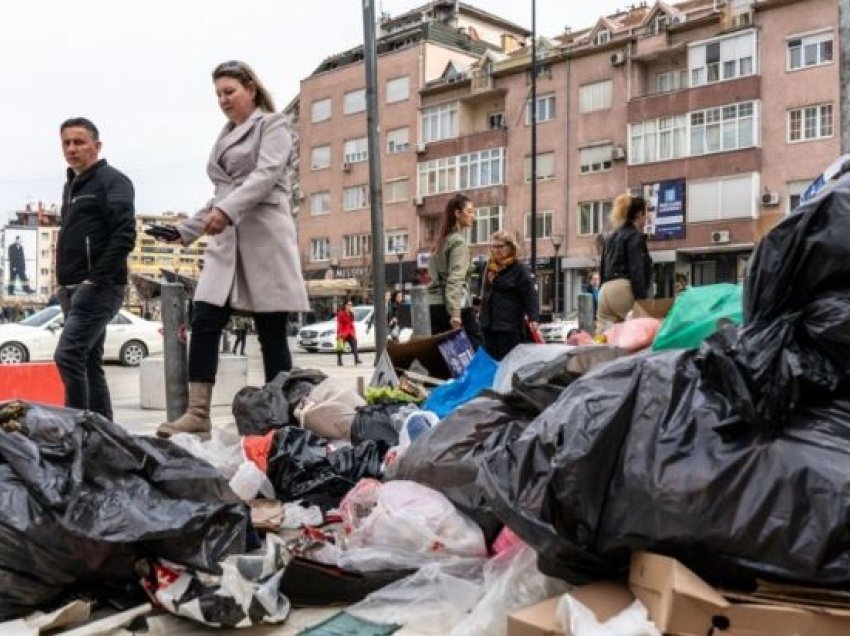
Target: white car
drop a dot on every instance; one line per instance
(321, 336)
(557, 331)
(129, 338)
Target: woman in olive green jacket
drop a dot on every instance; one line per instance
(449, 266)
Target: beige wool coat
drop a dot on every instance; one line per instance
(253, 264)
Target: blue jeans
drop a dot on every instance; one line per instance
(79, 354)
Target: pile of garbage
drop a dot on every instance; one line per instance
(613, 483)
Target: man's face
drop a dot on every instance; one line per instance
(594, 280)
(80, 148)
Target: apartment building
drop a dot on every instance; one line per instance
(413, 49)
(720, 113)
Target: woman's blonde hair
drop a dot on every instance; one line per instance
(507, 238)
(627, 208)
(246, 76)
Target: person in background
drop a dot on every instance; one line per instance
(509, 302)
(473, 325)
(241, 324)
(393, 308)
(251, 262)
(346, 332)
(626, 264)
(97, 235)
(681, 283)
(449, 266)
(592, 288)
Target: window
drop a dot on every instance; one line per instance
(321, 110)
(726, 128)
(811, 50)
(659, 24)
(496, 121)
(487, 220)
(355, 198)
(723, 59)
(354, 101)
(428, 228)
(320, 249)
(398, 89)
(593, 217)
(439, 122)
(602, 36)
(658, 140)
(356, 150)
(397, 191)
(596, 96)
(811, 122)
(395, 242)
(320, 157)
(544, 224)
(719, 199)
(596, 158)
(671, 81)
(545, 166)
(795, 193)
(398, 140)
(356, 245)
(480, 169)
(545, 109)
(320, 203)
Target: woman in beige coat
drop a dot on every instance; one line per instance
(251, 261)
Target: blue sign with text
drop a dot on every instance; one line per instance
(666, 207)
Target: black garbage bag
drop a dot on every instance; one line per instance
(540, 383)
(374, 422)
(257, 410)
(444, 457)
(302, 468)
(83, 500)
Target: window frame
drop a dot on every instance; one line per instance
(605, 165)
(818, 38)
(713, 71)
(313, 105)
(544, 102)
(347, 105)
(599, 211)
(326, 197)
(434, 119)
(391, 237)
(320, 255)
(313, 164)
(602, 101)
(526, 166)
(398, 148)
(484, 216)
(803, 124)
(361, 242)
(363, 201)
(389, 83)
(360, 151)
(546, 218)
(389, 185)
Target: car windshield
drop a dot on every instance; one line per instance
(42, 317)
(361, 313)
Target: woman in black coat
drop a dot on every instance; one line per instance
(508, 299)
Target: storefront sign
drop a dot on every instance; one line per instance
(666, 209)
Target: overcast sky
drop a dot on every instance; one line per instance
(140, 70)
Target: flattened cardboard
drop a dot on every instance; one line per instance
(652, 308)
(681, 603)
(605, 599)
(425, 350)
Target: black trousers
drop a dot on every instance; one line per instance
(498, 344)
(79, 353)
(241, 337)
(208, 321)
(351, 340)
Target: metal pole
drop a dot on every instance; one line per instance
(533, 138)
(175, 356)
(844, 71)
(400, 281)
(555, 307)
(370, 61)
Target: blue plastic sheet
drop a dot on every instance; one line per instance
(478, 376)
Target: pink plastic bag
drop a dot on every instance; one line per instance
(505, 540)
(633, 335)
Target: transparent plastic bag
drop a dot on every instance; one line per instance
(223, 450)
(576, 619)
(249, 481)
(519, 357)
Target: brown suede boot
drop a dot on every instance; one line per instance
(196, 419)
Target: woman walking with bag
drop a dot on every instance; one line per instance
(346, 332)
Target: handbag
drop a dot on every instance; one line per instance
(339, 345)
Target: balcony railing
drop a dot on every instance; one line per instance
(481, 82)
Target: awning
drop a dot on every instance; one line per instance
(330, 287)
(663, 256)
(578, 262)
(717, 249)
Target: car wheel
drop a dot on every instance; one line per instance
(13, 353)
(132, 353)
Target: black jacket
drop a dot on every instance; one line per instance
(98, 227)
(625, 256)
(509, 299)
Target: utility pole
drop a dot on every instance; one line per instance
(534, 139)
(379, 275)
(844, 71)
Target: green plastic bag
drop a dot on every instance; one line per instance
(695, 313)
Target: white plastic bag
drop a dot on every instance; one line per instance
(223, 450)
(519, 357)
(403, 524)
(329, 409)
(249, 481)
(576, 619)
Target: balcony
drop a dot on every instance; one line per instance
(682, 101)
(463, 144)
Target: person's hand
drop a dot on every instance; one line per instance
(215, 222)
(533, 325)
(456, 323)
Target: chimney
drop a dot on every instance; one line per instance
(509, 43)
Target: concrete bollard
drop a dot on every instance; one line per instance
(420, 312)
(585, 313)
(174, 349)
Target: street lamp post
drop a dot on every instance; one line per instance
(557, 241)
(399, 253)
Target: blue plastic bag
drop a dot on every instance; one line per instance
(478, 376)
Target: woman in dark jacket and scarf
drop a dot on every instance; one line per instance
(508, 299)
(626, 265)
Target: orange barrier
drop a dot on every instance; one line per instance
(36, 381)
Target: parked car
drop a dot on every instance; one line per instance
(557, 331)
(129, 339)
(321, 336)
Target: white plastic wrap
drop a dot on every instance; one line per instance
(223, 450)
(519, 357)
(249, 481)
(329, 409)
(577, 620)
(403, 524)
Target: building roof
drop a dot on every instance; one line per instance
(468, 9)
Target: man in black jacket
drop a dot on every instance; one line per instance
(98, 232)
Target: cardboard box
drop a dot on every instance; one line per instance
(652, 308)
(427, 351)
(606, 599)
(681, 603)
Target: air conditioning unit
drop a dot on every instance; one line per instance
(720, 237)
(619, 153)
(677, 19)
(418, 200)
(618, 58)
(770, 198)
(420, 147)
(346, 167)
